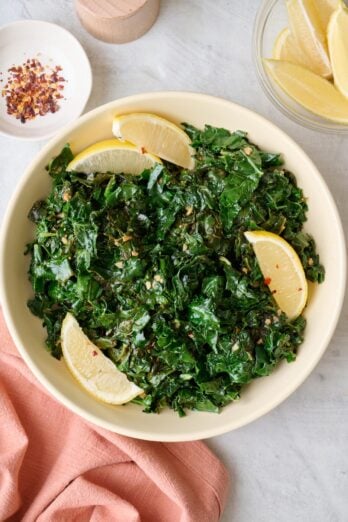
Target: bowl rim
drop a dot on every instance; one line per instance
(260, 22)
(69, 403)
(88, 80)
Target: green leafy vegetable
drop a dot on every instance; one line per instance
(157, 270)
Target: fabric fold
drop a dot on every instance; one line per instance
(13, 446)
(54, 466)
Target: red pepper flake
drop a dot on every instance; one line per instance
(267, 281)
(274, 291)
(299, 289)
(94, 353)
(143, 150)
(33, 89)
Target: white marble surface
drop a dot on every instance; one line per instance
(291, 465)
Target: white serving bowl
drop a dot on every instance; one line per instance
(259, 397)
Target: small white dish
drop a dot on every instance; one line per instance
(52, 46)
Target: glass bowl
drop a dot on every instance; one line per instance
(270, 20)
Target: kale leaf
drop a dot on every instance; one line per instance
(157, 270)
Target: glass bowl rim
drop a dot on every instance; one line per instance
(260, 22)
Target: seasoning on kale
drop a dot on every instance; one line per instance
(157, 270)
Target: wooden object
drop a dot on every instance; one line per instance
(117, 21)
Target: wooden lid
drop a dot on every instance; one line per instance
(113, 9)
(117, 21)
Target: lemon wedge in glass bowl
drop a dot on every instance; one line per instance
(310, 90)
(337, 36)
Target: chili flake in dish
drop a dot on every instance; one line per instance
(33, 89)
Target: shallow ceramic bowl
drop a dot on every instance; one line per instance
(258, 398)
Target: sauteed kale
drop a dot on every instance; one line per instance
(157, 270)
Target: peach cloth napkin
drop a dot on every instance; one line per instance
(55, 467)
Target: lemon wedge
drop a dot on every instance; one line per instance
(157, 136)
(338, 46)
(310, 90)
(112, 156)
(282, 271)
(325, 8)
(309, 34)
(285, 48)
(96, 373)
